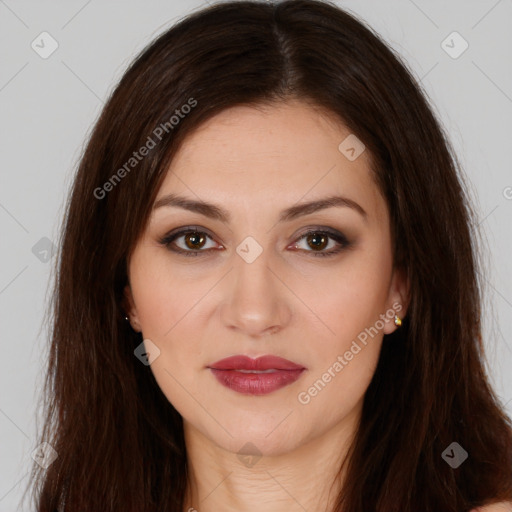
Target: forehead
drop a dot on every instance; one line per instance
(284, 153)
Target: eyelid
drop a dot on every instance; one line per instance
(169, 238)
(337, 236)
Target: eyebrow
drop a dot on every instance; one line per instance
(218, 213)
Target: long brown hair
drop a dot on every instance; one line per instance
(119, 441)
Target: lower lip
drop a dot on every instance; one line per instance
(256, 383)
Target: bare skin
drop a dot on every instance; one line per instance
(309, 309)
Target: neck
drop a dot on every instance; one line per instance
(309, 477)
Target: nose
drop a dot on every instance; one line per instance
(257, 302)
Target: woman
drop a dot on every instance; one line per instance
(267, 291)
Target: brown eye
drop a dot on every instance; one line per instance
(189, 242)
(317, 241)
(194, 240)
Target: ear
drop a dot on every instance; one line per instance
(130, 309)
(398, 299)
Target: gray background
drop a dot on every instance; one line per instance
(49, 105)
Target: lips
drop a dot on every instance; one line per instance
(255, 376)
(260, 364)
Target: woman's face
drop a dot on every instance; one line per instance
(243, 280)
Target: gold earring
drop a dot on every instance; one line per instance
(398, 321)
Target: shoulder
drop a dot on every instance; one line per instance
(504, 506)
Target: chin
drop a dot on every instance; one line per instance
(259, 445)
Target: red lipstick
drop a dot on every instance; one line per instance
(255, 376)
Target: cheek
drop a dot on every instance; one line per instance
(170, 305)
(167, 305)
(163, 295)
(349, 297)
(348, 340)
(344, 360)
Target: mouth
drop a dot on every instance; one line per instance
(256, 376)
(271, 370)
(261, 364)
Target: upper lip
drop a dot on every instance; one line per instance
(268, 362)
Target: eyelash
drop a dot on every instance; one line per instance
(168, 239)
